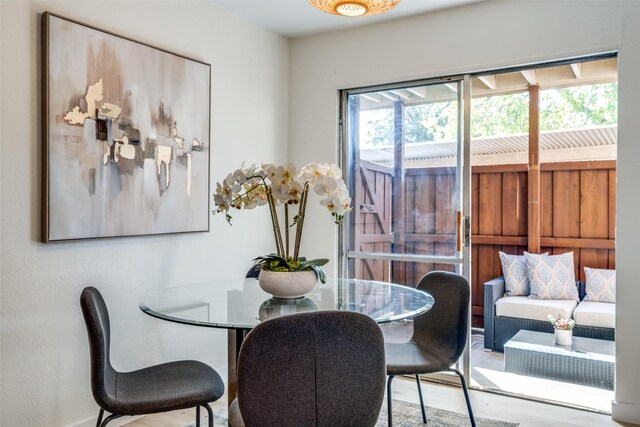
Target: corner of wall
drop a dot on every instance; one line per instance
(625, 412)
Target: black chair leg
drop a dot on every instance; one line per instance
(466, 396)
(210, 412)
(109, 418)
(197, 416)
(424, 414)
(389, 400)
(100, 415)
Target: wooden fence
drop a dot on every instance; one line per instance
(577, 202)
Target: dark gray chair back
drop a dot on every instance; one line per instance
(312, 369)
(103, 376)
(443, 329)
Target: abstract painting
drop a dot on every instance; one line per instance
(125, 136)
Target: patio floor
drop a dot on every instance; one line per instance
(488, 372)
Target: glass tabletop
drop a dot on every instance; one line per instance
(242, 304)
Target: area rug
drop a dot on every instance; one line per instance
(404, 415)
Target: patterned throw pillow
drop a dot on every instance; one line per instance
(601, 285)
(516, 280)
(516, 277)
(552, 276)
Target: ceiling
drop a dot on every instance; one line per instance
(296, 18)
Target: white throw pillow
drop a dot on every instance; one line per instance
(601, 285)
(552, 276)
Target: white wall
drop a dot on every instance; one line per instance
(44, 365)
(471, 38)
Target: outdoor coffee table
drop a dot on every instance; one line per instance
(587, 361)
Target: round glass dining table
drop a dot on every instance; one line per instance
(238, 305)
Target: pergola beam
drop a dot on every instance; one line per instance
(400, 94)
(369, 97)
(489, 81)
(416, 93)
(386, 95)
(577, 70)
(529, 76)
(453, 88)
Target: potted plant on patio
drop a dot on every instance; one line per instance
(562, 328)
(284, 188)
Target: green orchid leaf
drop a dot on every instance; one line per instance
(320, 273)
(272, 260)
(312, 262)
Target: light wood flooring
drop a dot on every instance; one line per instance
(487, 405)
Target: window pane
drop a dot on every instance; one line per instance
(404, 151)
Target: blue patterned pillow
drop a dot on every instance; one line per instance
(601, 285)
(516, 277)
(552, 276)
(514, 269)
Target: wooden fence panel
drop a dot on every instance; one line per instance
(577, 214)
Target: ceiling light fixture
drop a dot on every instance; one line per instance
(354, 7)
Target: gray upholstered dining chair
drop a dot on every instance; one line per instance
(439, 336)
(311, 369)
(160, 388)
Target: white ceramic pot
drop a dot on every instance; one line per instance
(287, 284)
(563, 336)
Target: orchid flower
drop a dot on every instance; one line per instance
(274, 185)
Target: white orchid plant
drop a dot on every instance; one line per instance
(284, 185)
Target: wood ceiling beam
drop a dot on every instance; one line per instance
(369, 97)
(416, 93)
(400, 94)
(489, 81)
(386, 95)
(577, 70)
(529, 76)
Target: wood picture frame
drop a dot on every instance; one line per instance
(125, 136)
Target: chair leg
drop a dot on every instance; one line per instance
(197, 416)
(109, 418)
(389, 400)
(424, 414)
(210, 413)
(466, 395)
(100, 415)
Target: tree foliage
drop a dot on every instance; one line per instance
(567, 108)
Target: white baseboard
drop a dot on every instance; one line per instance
(625, 412)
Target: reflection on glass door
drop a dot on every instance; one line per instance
(403, 146)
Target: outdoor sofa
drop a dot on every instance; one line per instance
(504, 315)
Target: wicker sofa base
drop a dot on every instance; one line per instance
(506, 327)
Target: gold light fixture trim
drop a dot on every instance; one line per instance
(354, 7)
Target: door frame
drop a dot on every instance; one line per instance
(347, 160)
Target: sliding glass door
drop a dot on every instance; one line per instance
(409, 173)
